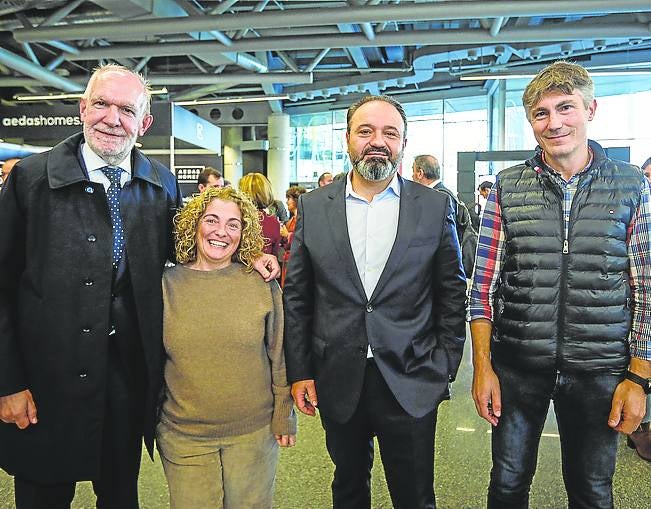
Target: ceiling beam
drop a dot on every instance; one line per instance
(554, 33)
(331, 16)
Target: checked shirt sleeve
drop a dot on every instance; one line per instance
(488, 261)
(639, 255)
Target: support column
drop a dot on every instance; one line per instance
(278, 165)
(232, 140)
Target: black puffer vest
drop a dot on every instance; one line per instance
(564, 304)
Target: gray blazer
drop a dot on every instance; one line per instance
(414, 321)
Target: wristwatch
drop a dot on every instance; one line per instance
(645, 383)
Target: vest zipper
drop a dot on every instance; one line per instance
(560, 330)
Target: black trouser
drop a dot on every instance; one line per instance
(406, 445)
(117, 485)
(588, 446)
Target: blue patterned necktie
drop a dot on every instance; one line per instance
(113, 195)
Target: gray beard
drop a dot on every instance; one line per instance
(376, 169)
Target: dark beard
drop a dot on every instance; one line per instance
(375, 168)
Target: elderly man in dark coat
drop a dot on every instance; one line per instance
(85, 230)
(80, 302)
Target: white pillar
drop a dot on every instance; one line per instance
(232, 140)
(278, 166)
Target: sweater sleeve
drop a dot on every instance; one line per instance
(283, 421)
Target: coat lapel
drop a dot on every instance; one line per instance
(336, 213)
(410, 213)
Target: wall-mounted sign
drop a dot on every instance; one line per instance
(191, 128)
(188, 174)
(36, 122)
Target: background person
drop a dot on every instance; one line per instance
(6, 169)
(640, 439)
(209, 177)
(325, 179)
(287, 231)
(258, 188)
(227, 403)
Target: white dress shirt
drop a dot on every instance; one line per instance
(372, 230)
(95, 163)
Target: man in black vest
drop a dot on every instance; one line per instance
(560, 302)
(85, 230)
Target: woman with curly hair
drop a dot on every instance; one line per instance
(227, 405)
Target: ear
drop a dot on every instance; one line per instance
(145, 124)
(83, 104)
(592, 108)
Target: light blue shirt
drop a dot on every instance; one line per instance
(372, 230)
(94, 163)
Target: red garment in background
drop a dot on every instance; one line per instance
(291, 226)
(271, 233)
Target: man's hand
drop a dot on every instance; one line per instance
(286, 440)
(304, 394)
(487, 394)
(267, 266)
(627, 410)
(18, 408)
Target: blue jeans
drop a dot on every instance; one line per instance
(582, 403)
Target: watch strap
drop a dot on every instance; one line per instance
(645, 383)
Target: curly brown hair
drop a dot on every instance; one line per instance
(187, 220)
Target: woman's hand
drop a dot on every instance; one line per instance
(286, 440)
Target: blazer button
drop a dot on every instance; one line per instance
(91, 238)
(83, 375)
(89, 282)
(89, 190)
(369, 308)
(86, 330)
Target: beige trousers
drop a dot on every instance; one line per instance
(222, 473)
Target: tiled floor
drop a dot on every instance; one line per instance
(462, 467)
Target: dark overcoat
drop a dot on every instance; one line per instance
(55, 291)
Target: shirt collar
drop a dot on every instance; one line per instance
(393, 187)
(558, 173)
(94, 162)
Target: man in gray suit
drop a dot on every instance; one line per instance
(374, 319)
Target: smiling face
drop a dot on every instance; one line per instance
(376, 140)
(113, 114)
(560, 123)
(218, 235)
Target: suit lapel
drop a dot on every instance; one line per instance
(336, 213)
(410, 212)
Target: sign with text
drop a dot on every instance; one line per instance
(188, 174)
(191, 128)
(36, 122)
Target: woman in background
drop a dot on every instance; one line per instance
(257, 187)
(287, 231)
(227, 405)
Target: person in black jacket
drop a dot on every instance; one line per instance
(85, 230)
(561, 300)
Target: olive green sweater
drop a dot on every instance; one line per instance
(225, 367)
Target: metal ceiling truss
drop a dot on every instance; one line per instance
(312, 51)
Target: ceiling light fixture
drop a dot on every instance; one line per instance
(62, 96)
(229, 100)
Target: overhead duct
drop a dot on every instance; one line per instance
(324, 16)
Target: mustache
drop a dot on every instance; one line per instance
(382, 150)
(366, 151)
